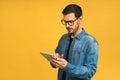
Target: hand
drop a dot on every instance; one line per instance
(59, 61)
(55, 56)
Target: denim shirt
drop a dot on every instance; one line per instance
(82, 58)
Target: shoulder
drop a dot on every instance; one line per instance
(89, 38)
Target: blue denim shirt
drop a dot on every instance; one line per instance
(83, 56)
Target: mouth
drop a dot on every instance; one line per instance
(69, 29)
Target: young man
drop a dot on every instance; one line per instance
(77, 52)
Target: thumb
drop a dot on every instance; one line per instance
(62, 56)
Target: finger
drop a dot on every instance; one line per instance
(61, 56)
(55, 60)
(59, 62)
(60, 59)
(55, 63)
(56, 55)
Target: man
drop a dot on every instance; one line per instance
(77, 52)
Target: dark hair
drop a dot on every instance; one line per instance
(73, 8)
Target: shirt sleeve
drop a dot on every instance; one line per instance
(88, 69)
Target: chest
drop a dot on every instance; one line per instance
(77, 51)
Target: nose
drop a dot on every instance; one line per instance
(67, 25)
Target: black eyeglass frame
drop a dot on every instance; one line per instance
(70, 22)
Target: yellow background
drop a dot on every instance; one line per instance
(28, 27)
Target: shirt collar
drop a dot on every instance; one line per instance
(79, 35)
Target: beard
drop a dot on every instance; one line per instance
(72, 30)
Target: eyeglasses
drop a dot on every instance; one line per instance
(70, 22)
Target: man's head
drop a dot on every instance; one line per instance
(72, 17)
(73, 8)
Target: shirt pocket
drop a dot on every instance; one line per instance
(77, 57)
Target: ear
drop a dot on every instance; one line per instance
(80, 19)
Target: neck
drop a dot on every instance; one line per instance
(76, 33)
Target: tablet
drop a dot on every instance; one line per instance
(46, 55)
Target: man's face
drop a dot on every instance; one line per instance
(71, 23)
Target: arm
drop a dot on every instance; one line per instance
(58, 50)
(89, 68)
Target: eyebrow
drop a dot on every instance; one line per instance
(68, 20)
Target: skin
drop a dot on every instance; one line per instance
(74, 30)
